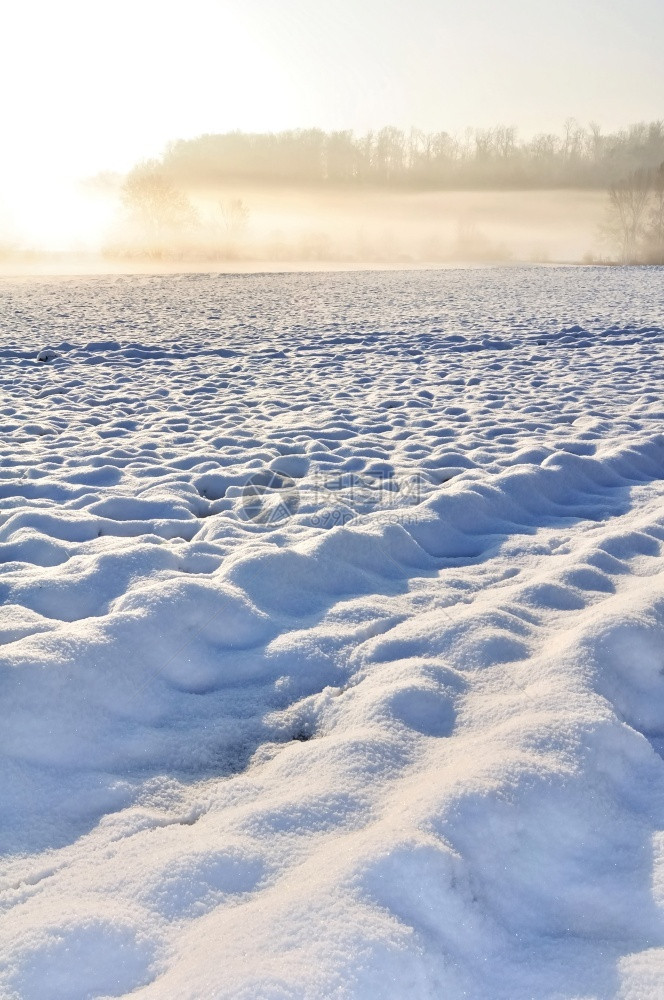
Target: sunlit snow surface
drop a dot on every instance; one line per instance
(333, 636)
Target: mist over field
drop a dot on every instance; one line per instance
(267, 224)
(307, 196)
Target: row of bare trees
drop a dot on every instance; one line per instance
(580, 157)
(635, 217)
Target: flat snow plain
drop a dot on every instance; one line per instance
(332, 632)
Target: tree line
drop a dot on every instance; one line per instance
(495, 158)
(160, 219)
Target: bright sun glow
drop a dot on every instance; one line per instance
(92, 87)
(103, 87)
(60, 215)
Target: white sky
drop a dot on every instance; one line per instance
(92, 84)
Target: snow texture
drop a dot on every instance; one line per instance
(332, 633)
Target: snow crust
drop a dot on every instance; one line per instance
(332, 636)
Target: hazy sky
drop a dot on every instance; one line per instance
(93, 84)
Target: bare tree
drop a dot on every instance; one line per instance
(159, 216)
(627, 212)
(235, 216)
(654, 236)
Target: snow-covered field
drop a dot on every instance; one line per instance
(333, 636)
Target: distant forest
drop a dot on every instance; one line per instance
(492, 159)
